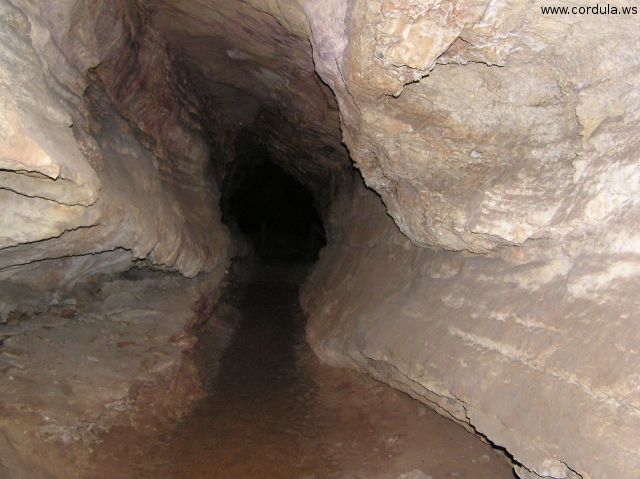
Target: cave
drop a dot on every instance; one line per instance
(271, 208)
(318, 239)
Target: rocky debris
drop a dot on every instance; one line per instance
(70, 373)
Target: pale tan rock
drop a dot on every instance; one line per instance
(476, 151)
(535, 349)
(517, 141)
(503, 143)
(71, 163)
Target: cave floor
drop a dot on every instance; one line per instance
(273, 411)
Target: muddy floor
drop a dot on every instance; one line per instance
(272, 411)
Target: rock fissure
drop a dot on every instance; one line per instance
(43, 197)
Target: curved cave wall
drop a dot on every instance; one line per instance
(490, 267)
(101, 157)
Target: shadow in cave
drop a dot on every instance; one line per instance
(275, 211)
(256, 418)
(271, 410)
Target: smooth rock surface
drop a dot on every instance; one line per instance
(533, 349)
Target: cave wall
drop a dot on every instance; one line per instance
(251, 66)
(102, 155)
(118, 120)
(104, 165)
(485, 124)
(503, 144)
(541, 362)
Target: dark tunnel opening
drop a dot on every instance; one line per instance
(268, 205)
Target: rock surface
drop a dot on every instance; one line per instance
(485, 124)
(251, 66)
(118, 352)
(502, 141)
(99, 153)
(534, 350)
(508, 136)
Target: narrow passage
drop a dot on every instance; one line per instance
(273, 411)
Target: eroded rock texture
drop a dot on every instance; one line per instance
(103, 164)
(251, 66)
(119, 354)
(99, 153)
(510, 137)
(118, 124)
(511, 345)
(483, 124)
(503, 143)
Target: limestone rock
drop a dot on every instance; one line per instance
(508, 136)
(534, 349)
(76, 177)
(468, 117)
(502, 142)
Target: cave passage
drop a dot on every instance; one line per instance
(271, 207)
(272, 411)
(209, 207)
